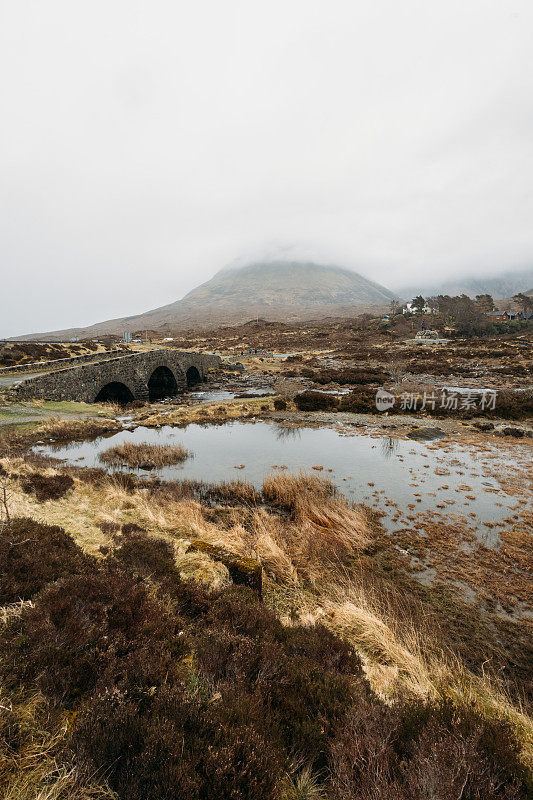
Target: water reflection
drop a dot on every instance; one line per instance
(287, 432)
(389, 445)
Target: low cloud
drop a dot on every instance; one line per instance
(145, 146)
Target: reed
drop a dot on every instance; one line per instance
(144, 456)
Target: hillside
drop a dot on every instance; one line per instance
(499, 286)
(278, 290)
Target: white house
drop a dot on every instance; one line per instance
(410, 309)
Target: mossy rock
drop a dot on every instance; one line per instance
(244, 571)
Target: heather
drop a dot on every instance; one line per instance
(174, 689)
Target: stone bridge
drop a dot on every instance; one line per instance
(148, 375)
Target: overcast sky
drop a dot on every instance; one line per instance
(145, 145)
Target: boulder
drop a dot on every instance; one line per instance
(242, 570)
(426, 434)
(519, 433)
(483, 426)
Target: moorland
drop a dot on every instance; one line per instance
(352, 620)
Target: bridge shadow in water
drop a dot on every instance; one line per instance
(162, 383)
(114, 392)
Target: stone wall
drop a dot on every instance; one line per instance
(58, 363)
(84, 382)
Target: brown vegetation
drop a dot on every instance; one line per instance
(509, 404)
(14, 353)
(170, 689)
(47, 487)
(55, 431)
(352, 375)
(316, 401)
(352, 678)
(144, 456)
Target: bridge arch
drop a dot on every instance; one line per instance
(193, 376)
(162, 383)
(114, 392)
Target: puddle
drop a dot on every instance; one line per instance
(400, 478)
(221, 395)
(211, 396)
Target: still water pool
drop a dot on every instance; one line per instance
(394, 475)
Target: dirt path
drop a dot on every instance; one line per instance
(23, 413)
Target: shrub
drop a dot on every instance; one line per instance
(317, 643)
(280, 404)
(176, 746)
(425, 750)
(513, 405)
(101, 630)
(148, 556)
(32, 555)
(349, 376)
(362, 402)
(181, 692)
(46, 487)
(316, 401)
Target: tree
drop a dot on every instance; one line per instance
(418, 303)
(394, 308)
(5, 518)
(485, 302)
(524, 300)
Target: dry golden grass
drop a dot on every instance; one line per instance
(325, 529)
(63, 430)
(144, 455)
(32, 770)
(288, 490)
(229, 409)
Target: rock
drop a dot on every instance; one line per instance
(426, 434)
(427, 334)
(519, 433)
(149, 465)
(244, 571)
(483, 426)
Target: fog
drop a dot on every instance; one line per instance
(146, 145)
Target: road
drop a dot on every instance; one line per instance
(8, 380)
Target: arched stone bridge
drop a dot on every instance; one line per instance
(148, 375)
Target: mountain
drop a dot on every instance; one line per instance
(275, 290)
(499, 286)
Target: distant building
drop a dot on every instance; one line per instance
(410, 309)
(509, 316)
(126, 336)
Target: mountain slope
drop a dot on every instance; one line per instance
(277, 290)
(499, 286)
(287, 284)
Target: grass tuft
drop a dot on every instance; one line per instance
(144, 456)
